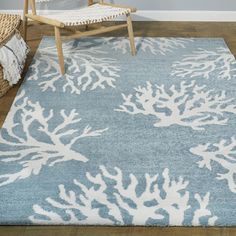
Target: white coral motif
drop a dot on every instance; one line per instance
(191, 105)
(203, 63)
(223, 153)
(85, 70)
(174, 203)
(30, 151)
(114, 196)
(148, 44)
(203, 211)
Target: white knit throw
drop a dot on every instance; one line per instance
(12, 58)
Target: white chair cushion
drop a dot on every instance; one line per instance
(88, 15)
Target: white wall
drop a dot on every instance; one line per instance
(149, 10)
(208, 5)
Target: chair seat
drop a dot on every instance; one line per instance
(89, 15)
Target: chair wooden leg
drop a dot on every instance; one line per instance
(131, 35)
(59, 49)
(25, 20)
(25, 25)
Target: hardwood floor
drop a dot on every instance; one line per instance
(112, 231)
(160, 29)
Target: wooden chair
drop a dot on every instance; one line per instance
(93, 13)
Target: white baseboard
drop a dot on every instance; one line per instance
(214, 16)
(146, 15)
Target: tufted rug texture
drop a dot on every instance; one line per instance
(120, 140)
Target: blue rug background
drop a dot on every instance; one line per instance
(131, 143)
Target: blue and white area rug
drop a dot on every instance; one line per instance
(122, 140)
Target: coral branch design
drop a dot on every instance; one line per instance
(78, 207)
(147, 44)
(31, 139)
(174, 203)
(191, 105)
(204, 63)
(85, 70)
(203, 211)
(223, 153)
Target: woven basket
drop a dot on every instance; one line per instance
(9, 24)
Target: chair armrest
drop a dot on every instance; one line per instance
(45, 20)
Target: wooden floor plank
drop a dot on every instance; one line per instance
(113, 231)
